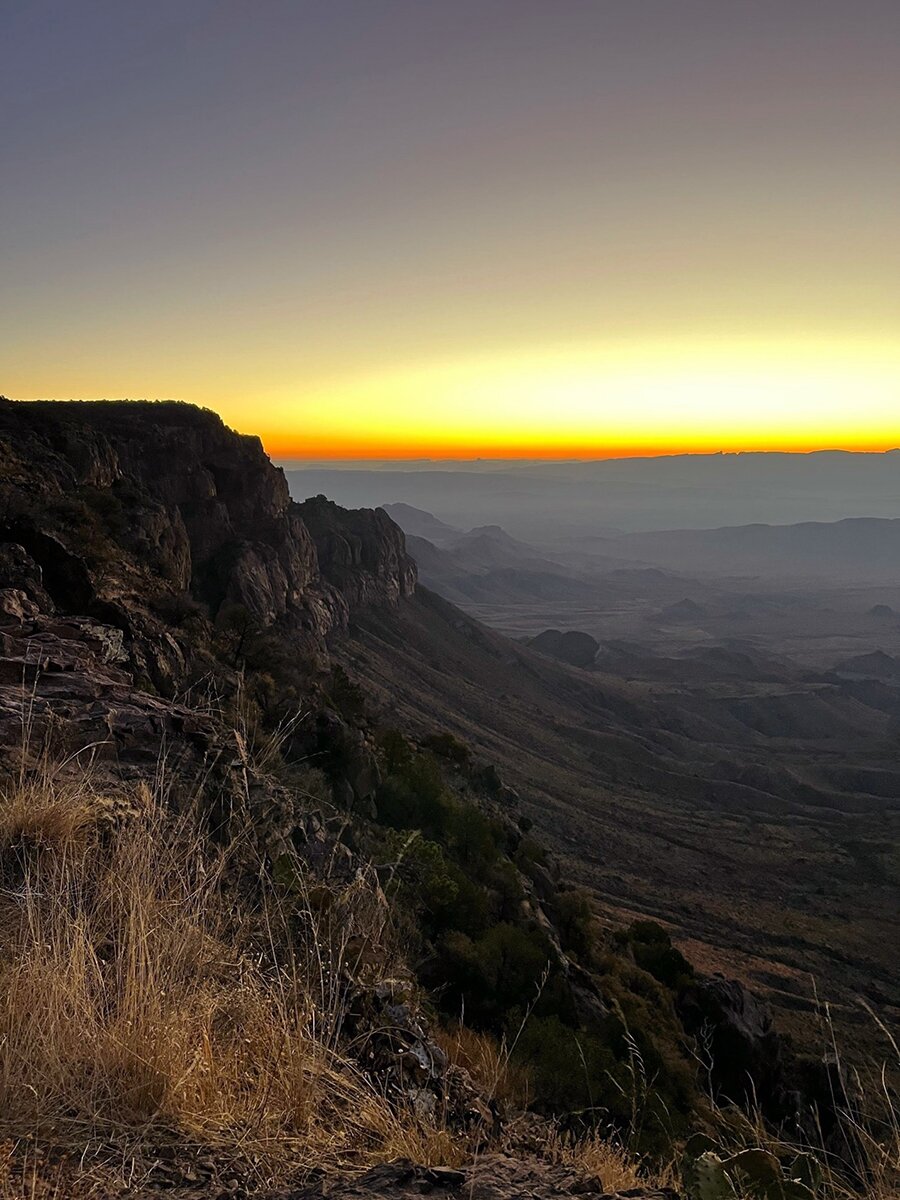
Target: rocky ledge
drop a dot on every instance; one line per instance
(494, 1177)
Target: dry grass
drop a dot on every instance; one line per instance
(135, 1003)
(594, 1155)
(858, 1150)
(34, 818)
(487, 1060)
(603, 1156)
(259, 744)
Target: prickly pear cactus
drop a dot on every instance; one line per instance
(758, 1169)
(705, 1178)
(752, 1174)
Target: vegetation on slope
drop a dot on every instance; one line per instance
(152, 997)
(501, 944)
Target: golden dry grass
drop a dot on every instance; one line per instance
(602, 1156)
(488, 1062)
(135, 1002)
(36, 818)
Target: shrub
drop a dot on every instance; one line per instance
(570, 1069)
(396, 751)
(489, 976)
(345, 696)
(575, 920)
(652, 950)
(445, 745)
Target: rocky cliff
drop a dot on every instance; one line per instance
(144, 547)
(118, 505)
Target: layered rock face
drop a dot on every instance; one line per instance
(131, 536)
(183, 505)
(361, 552)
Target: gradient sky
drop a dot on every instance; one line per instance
(457, 227)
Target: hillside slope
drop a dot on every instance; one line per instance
(743, 818)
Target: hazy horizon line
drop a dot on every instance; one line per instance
(351, 461)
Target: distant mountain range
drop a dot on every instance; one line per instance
(484, 565)
(448, 558)
(539, 501)
(859, 547)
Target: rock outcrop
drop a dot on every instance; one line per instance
(361, 552)
(138, 542)
(117, 504)
(751, 1065)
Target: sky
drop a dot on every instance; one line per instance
(459, 228)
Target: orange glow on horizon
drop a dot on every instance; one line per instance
(626, 399)
(285, 448)
(635, 231)
(629, 398)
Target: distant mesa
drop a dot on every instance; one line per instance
(883, 612)
(876, 665)
(739, 661)
(683, 610)
(494, 546)
(573, 647)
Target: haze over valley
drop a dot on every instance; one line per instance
(736, 689)
(795, 553)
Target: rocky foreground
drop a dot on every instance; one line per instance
(494, 1177)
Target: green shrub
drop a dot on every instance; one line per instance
(530, 854)
(652, 950)
(396, 752)
(474, 837)
(445, 745)
(433, 888)
(574, 921)
(571, 1069)
(488, 976)
(413, 797)
(459, 877)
